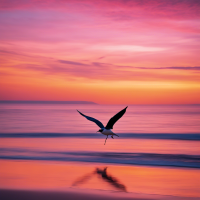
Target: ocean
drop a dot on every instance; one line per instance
(157, 151)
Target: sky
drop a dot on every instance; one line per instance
(107, 51)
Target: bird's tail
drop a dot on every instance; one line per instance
(116, 135)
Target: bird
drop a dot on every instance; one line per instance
(106, 130)
(102, 173)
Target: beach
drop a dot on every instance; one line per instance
(89, 195)
(150, 160)
(60, 176)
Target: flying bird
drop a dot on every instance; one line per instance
(106, 130)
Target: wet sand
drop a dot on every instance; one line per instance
(41, 175)
(9, 194)
(51, 195)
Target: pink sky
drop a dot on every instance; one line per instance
(131, 51)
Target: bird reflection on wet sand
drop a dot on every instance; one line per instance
(102, 173)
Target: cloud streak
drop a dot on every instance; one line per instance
(195, 68)
(108, 72)
(71, 62)
(117, 10)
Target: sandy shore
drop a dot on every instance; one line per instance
(54, 195)
(10, 194)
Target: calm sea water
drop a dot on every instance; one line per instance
(148, 135)
(51, 146)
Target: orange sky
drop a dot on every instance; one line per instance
(110, 52)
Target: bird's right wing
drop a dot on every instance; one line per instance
(112, 121)
(93, 120)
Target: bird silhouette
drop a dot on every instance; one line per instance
(102, 173)
(106, 130)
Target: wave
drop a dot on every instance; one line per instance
(168, 136)
(150, 159)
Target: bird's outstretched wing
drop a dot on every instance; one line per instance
(112, 121)
(93, 120)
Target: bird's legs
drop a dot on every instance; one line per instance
(105, 140)
(112, 137)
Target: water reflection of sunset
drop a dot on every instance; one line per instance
(59, 175)
(95, 145)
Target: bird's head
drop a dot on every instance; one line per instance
(100, 130)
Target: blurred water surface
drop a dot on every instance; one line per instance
(162, 136)
(149, 134)
(63, 118)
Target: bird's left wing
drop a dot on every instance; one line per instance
(93, 120)
(112, 121)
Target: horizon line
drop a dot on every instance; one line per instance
(82, 102)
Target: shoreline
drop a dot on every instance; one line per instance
(24, 194)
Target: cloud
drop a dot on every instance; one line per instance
(107, 72)
(5, 52)
(127, 48)
(118, 9)
(132, 24)
(175, 67)
(76, 33)
(182, 68)
(71, 62)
